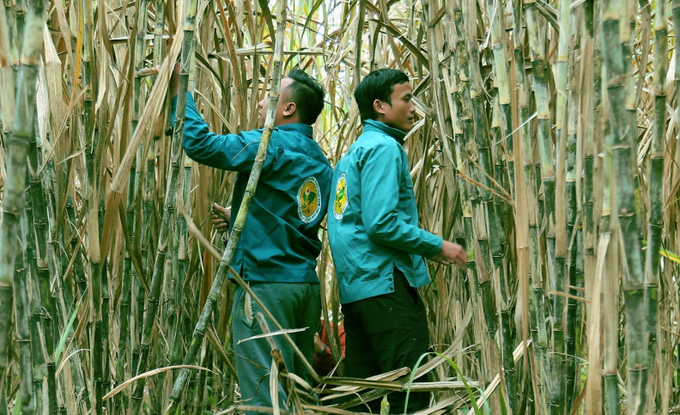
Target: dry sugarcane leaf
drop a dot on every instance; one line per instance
(53, 75)
(273, 333)
(154, 372)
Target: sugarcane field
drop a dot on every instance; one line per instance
(216, 207)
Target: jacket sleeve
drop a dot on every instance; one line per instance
(234, 152)
(380, 204)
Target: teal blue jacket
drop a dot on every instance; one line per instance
(280, 240)
(373, 218)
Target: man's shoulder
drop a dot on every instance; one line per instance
(376, 139)
(298, 145)
(375, 143)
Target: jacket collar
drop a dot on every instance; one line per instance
(298, 128)
(374, 125)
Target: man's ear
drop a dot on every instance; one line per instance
(289, 109)
(378, 106)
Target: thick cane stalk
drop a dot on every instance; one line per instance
(125, 295)
(137, 51)
(504, 140)
(626, 188)
(547, 166)
(179, 268)
(92, 207)
(482, 201)
(574, 246)
(216, 288)
(41, 236)
(592, 195)
(16, 146)
(36, 310)
(547, 178)
(656, 179)
(557, 390)
(530, 288)
(21, 315)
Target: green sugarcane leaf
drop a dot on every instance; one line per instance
(670, 255)
(67, 330)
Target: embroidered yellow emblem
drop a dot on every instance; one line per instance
(309, 204)
(340, 204)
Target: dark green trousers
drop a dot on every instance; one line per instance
(294, 305)
(384, 333)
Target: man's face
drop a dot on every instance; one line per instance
(401, 113)
(283, 100)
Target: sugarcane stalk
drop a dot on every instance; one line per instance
(547, 165)
(440, 105)
(657, 149)
(39, 241)
(81, 284)
(609, 229)
(610, 312)
(137, 316)
(141, 220)
(169, 207)
(92, 206)
(503, 139)
(626, 188)
(21, 315)
(444, 108)
(592, 191)
(139, 51)
(179, 268)
(532, 288)
(464, 131)
(501, 83)
(481, 197)
(16, 146)
(201, 383)
(545, 174)
(237, 229)
(30, 273)
(574, 252)
(557, 390)
(38, 357)
(21, 10)
(159, 27)
(125, 293)
(502, 275)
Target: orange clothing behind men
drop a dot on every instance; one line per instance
(324, 362)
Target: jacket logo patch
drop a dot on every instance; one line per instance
(309, 204)
(340, 204)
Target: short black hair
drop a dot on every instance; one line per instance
(307, 94)
(378, 84)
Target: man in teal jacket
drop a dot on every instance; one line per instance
(277, 251)
(376, 243)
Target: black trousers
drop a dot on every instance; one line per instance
(385, 333)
